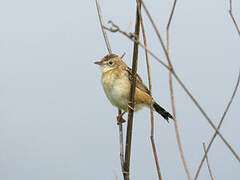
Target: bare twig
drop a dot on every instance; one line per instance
(172, 92)
(102, 27)
(158, 34)
(171, 14)
(206, 116)
(219, 125)
(233, 19)
(130, 36)
(133, 38)
(208, 165)
(151, 108)
(184, 87)
(131, 98)
(121, 143)
(168, 25)
(119, 110)
(177, 130)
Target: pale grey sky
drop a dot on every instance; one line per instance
(55, 121)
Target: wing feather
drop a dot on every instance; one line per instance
(139, 83)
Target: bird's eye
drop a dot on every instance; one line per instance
(110, 63)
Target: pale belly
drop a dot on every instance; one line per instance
(117, 92)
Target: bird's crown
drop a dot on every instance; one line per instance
(109, 56)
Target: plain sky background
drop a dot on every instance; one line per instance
(55, 121)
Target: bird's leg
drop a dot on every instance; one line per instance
(120, 118)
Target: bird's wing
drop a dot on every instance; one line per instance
(139, 83)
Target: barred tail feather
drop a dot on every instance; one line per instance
(162, 111)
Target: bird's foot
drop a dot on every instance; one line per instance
(120, 118)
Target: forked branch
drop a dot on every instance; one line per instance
(208, 164)
(219, 125)
(182, 85)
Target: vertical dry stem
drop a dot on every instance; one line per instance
(151, 108)
(121, 143)
(119, 110)
(170, 82)
(172, 96)
(131, 99)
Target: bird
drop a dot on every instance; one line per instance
(116, 81)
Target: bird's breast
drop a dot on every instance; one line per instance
(116, 86)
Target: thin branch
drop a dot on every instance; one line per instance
(158, 34)
(168, 25)
(132, 38)
(131, 98)
(219, 125)
(119, 110)
(121, 143)
(183, 86)
(208, 165)
(102, 27)
(151, 108)
(233, 19)
(171, 14)
(172, 93)
(206, 116)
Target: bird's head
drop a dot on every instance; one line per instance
(109, 62)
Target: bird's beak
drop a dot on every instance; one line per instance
(98, 62)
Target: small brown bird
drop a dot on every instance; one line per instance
(116, 83)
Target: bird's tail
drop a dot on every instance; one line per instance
(162, 111)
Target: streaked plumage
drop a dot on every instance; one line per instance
(115, 79)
